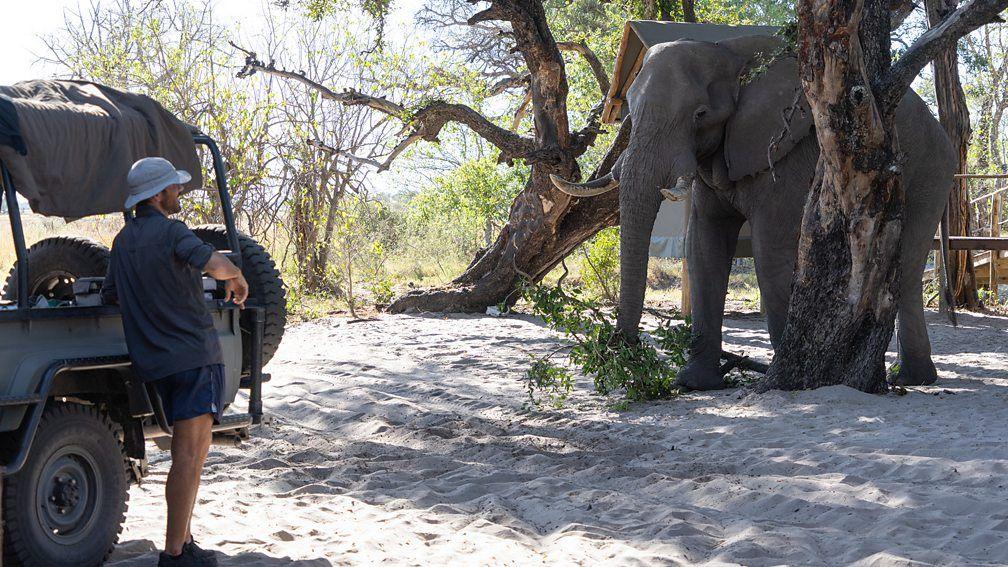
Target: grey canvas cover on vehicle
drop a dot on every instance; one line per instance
(81, 140)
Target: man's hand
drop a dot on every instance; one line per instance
(236, 289)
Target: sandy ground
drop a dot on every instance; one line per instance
(403, 441)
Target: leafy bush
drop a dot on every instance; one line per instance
(599, 270)
(645, 370)
(475, 193)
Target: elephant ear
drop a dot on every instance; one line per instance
(756, 135)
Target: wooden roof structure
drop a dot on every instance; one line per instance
(639, 35)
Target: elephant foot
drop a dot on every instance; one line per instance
(698, 375)
(920, 373)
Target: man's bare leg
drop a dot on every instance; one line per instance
(190, 443)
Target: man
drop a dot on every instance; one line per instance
(155, 275)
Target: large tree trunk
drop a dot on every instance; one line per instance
(843, 301)
(540, 232)
(954, 116)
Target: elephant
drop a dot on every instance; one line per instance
(709, 117)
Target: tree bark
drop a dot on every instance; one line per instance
(843, 300)
(954, 116)
(689, 14)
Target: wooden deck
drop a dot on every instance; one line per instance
(990, 267)
(982, 267)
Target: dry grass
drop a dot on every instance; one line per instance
(407, 270)
(36, 227)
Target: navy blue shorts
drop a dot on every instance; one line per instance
(192, 393)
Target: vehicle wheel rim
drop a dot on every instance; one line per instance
(55, 285)
(67, 495)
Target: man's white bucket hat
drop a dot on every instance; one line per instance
(149, 176)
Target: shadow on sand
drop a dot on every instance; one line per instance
(143, 552)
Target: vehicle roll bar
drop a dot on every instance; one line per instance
(17, 231)
(222, 190)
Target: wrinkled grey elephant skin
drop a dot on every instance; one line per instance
(699, 109)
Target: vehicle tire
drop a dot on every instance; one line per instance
(265, 287)
(54, 263)
(67, 504)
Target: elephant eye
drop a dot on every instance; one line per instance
(700, 113)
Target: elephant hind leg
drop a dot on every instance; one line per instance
(916, 367)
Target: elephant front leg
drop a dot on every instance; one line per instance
(710, 247)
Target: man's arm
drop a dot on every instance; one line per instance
(220, 268)
(200, 255)
(235, 286)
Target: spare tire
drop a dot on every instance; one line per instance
(54, 263)
(266, 289)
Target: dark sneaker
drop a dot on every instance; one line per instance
(186, 559)
(196, 550)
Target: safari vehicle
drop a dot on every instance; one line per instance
(73, 418)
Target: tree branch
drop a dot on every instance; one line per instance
(521, 81)
(521, 112)
(969, 16)
(548, 85)
(348, 96)
(423, 124)
(900, 11)
(689, 14)
(592, 59)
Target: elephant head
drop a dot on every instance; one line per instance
(694, 103)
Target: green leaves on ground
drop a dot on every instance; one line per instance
(644, 370)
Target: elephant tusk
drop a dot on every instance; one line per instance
(588, 189)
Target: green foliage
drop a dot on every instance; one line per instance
(304, 304)
(645, 370)
(789, 38)
(600, 270)
(477, 191)
(359, 250)
(893, 371)
(549, 383)
(448, 221)
(319, 9)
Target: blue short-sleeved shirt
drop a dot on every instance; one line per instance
(155, 275)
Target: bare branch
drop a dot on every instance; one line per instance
(490, 14)
(900, 11)
(521, 112)
(592, 59)
(969, 16)
(349, 97)
(424, 124)
(507, 83)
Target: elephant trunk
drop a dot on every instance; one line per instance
(641, 194)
